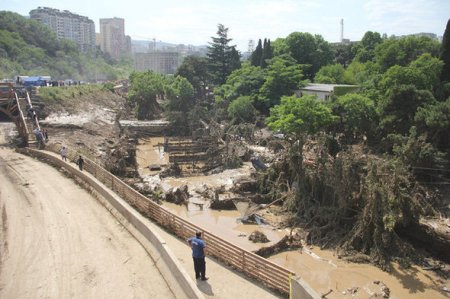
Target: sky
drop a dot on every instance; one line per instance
(195, 21)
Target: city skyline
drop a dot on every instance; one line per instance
(195, 22)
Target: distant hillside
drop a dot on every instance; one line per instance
(28, 47)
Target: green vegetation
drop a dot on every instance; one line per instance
(28, 47)
(69, 93)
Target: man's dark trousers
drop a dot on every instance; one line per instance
(199, 267)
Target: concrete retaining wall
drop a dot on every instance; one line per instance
(301, 290)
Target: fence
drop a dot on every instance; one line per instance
(259, 268)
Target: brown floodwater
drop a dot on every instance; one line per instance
(150, 151)
(321, 269)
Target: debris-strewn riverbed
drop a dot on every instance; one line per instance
(322, 269)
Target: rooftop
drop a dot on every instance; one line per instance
(324, 87)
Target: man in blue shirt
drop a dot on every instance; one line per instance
(198, 254)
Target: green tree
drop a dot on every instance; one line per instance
(283, 77)
(343, 53)
(434, 121)
(298, 118)
(365, 50)
(399, 75)
(357, 114)
(360, 73)
(257, 54)
(311, 51)
(331, 74)
(195, 70)
(445, 54)
(222, 58)
(179, 95)
(267, 53)
(242, 110)
(431, 68)
(235, 59)
(404, 50)
(398, 109)
(280, 47)
(245, 81)
(145, 88)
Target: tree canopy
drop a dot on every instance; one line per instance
(222, 58)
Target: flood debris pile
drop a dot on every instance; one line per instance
(178, 195)
(352, 201)
(258, 237)
(222, 204)
(121, 157)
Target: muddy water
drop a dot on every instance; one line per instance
(319, 268)
(150, 151)
(226, 225)
(324, 272)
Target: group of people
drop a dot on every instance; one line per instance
(64, 152)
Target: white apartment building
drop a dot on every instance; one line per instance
(67, 25)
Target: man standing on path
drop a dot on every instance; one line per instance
(80, 163)
(198, 254)
(63, 153)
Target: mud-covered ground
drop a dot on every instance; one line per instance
(86, 125)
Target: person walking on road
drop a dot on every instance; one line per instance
(45, 135)
(63, 153)
(198, 254)
(80, 163)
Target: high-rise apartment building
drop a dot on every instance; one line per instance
(67, 25)
(112, 37)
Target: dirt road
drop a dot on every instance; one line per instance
(57, 241)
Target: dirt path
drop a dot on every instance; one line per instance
(57, 241)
